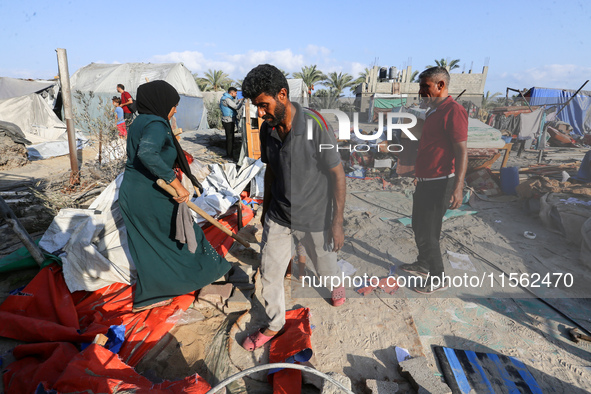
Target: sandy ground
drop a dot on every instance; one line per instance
(358, 339)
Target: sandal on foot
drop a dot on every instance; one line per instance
(156, 305)
(338, 296)
(256, 340)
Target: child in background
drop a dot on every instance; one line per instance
(120, 120)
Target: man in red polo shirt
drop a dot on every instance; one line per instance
(440, 169)
(125, 102)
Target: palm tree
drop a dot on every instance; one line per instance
(284, 73)
(450, 65)
(487, 100)
(413, 77)
(339, 82)
(362, 76)
(310, 75)
(217, 80)
(325, 99)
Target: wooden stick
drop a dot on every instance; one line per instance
(202, 213)
(20, 231)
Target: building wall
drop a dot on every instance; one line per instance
(473, 83)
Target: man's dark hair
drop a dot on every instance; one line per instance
(120, 85)
(232, 89)
(436, 74)
(264, 78)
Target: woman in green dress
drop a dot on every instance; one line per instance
(165, 267)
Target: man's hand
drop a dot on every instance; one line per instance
(338, 237)
(456, 198)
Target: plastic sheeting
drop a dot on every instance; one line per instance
(481, 135)
(294, 345)
(58, 367)
(13, 87)
(298, 91)
(92, 243)
(578, 111)
(102, 80)
(41, 126)
(222, 187)
(34, 116)
(46, 311)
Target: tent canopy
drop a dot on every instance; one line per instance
(102, 80)
(12, 87)
(578, 111)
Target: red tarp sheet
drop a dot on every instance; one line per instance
(294, 345)
(59, 366)
(46, 311)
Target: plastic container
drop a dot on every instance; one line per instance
(509, 179)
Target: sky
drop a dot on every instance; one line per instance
(527, 43)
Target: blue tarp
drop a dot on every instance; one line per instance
(578, 112)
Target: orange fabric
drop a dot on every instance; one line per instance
(46, 311)
(296, 338)
(59, 366)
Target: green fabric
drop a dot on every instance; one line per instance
(389, 102)
(21, 259)
(165, 267)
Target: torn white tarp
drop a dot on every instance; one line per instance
(93, 243)
(40, 124)
(223, 185)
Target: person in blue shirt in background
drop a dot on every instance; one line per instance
(121, 127)
(230, 108)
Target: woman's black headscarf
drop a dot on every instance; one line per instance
(158, 98)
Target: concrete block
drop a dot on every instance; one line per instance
(215, 295)
(330, 388)
(241, 274)
(239, 301)
(416, 370)
(381, 386)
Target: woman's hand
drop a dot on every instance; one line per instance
(183, 194)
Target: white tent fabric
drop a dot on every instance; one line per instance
(102, 81)
(35, 118)
(222, 187)
(40, 124)
(298, 91)
(92, 243)
(12, 87)
(103, 78)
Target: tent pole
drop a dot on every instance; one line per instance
(62, 62)
(571, 97)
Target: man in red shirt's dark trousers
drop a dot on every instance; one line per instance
(125, 101)
(440, 170)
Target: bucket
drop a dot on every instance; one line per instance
(509, 179)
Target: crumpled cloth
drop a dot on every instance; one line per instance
(185, 233)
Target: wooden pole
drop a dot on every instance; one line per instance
(62, 62)
(20, 232)
(202, 213)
